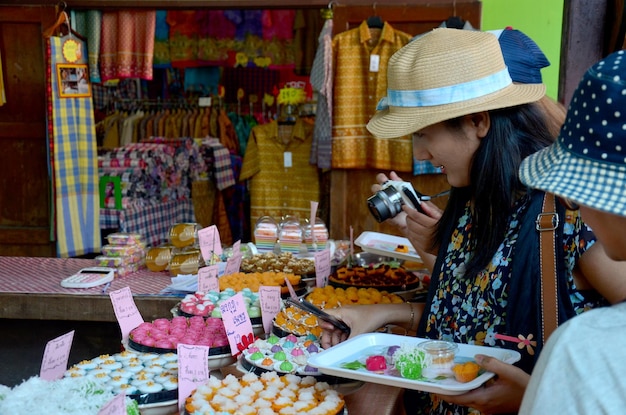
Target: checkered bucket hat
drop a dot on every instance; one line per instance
(444, 74)
(587, 163)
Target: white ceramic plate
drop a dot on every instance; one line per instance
(330, 360)
(384, 244)
(160, 408)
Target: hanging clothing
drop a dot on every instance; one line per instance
(72, 139)
(89, 23)
(162, 57)
(3, 97)
(360, 79)
(322, 82)
(281, 179)
(127, 45)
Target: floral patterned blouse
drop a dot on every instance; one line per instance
(474, 310)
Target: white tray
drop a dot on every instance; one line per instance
(384, 244)
(359, 347)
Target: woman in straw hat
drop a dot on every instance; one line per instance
(452, 90)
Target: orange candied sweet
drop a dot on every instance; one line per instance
(402, 248)
(465, 372)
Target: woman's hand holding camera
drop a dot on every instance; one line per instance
(416, 226)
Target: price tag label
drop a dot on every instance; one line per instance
(312, 220)
(322, 267)
(126, 312)
(233, 264)
(292, 292)
(116, 406)
(287, 159)
(237, 323)
(210, 243)
(374, 63)
(55, 357)
(269, 297)
(193, 369)
(207, 279)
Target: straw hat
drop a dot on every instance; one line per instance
(587, 163)
(442, 75)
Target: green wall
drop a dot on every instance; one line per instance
(540, 19)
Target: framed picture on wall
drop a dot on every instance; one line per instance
(73, 80)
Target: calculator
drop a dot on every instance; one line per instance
(89, 277)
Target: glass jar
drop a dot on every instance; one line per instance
(438, 358)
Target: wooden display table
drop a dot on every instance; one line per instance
(30, 289)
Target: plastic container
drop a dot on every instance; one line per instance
(265, 233)
(125, 238)
(124, 251)
(290, 235)
(321, 236)
(438, 358)
(184, 263)
(158, 258)
(184, 234)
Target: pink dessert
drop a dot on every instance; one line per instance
(376, 363)
(164, 334)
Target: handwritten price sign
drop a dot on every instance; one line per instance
(322, 267)
(116, 406)
(237, 323)
(193, 369)
(269, 296)
(126, 312)
(55, 357)
(207, 279)
(210, 243)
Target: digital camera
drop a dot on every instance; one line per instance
(388, 201)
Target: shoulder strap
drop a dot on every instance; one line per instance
(547, 222)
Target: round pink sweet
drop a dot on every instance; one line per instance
(161, 322)
(292, 338)
(297, 352)
(146, 326)
(148, 341)
(214, 322)
(164, 344)
(179, 321)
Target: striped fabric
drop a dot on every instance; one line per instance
(75, 164)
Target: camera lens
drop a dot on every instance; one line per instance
(385, 204)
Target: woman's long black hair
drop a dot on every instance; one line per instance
(514, 134)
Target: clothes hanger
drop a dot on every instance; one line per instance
(62, 25)
(327, 13)
(455, 22)
(375, 21)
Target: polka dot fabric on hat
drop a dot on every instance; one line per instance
(588, 162)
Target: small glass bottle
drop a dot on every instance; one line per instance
(438, 358)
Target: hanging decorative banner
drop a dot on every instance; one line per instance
(291, 96)
(268, 100)
(240, 94)
(72, 51)
(241, 59)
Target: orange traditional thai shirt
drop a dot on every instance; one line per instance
(282, 181)
(360, 80)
